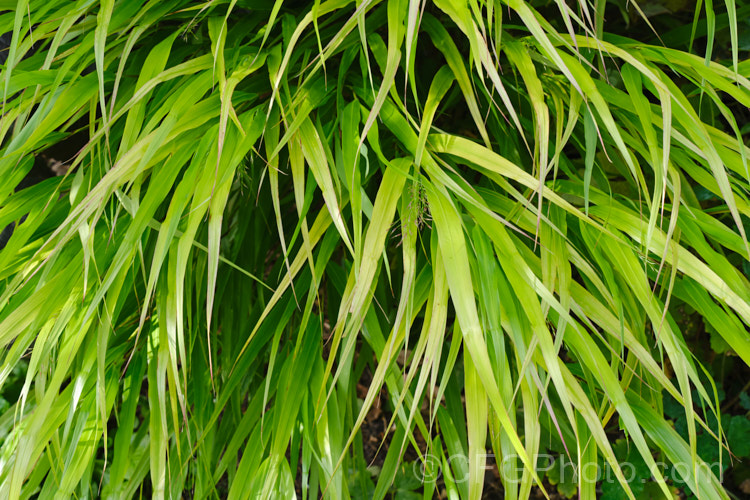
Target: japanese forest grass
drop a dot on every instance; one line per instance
(489, 210)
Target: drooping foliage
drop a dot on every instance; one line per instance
(276, 216)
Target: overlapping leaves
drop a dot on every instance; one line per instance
(273, 199)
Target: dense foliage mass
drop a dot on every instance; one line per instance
(360, 249)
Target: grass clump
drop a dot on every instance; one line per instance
(210, 302)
